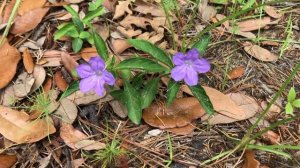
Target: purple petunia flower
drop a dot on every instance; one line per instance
(187, 67)
(94, 76)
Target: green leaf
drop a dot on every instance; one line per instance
(72, 33)
(71, 11)
(149, 92)
(100, 46)
(91, 15)
(95, 5)
(292, 95)
(84, 35)
(202, 97)
(125, 74)
(151, 49)
(64, 30)
(77, 44)
(78, 24)
(289, 108)
(142, 64)
(296, 103)
(173, 88)
(73, 87)
(119, 95)
(202, 44)
(133, 103)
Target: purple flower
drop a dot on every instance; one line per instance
(94, 76)
(187, 67)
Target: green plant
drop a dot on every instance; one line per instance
(292, 102)
(41, 105)
(288, 31)
(170, 148)
(77, 29)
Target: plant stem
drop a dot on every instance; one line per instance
(170, 25)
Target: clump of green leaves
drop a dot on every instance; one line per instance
(77, 29)
(292, 102)
(42, 104)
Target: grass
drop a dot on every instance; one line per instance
(170, 148)
(287, 41)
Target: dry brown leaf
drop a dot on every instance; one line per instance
(149, 8)
(119, 108)
(9, 58)
(207, 12)
(47, 85)
(7, 161)
(260, 53)
(241, 33)
(67, 111)
(75, 139)
(122, 8)
(52, 58)
(68, 61)
(7, 11)
(186, 130)
(22, 86)
(135, 20)
(253, 24)
(221, 17)
(272, 137)
(60, 82)
(8, 96)
(129, 33)
(236, 72)
(17, 127)
(28, 61)
(28, 5)
(110, 5)
(273, 111)
(74, 1)
(271, 11)
(180, 113)
(87, 53)
(270, 43)
(250, 161)
(102, 30)
(28, 21)
(120, 45)
(77, 163)
(39, 74)
(80, 98)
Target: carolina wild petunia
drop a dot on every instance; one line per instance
(187, 67)
(94, 76)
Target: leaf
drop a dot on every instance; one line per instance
(84, 35)
(100, 46)
(27, 6)
(93, 14)
(77, 22)
(202, 44)
(289, 108)
(173, 88)
(142, 64)
(68, 61)
(253, 24)
(260, 53)
(250, 161)
(80, 98)
(63, 30)
(236, 72)
(7, 161)
(9, 58)
(271, 11)
(121, 9)
(202, 97)
(28, 21)
(60, 82)
(149, 92)
(17, 126)
(28, 61)
(133, 103)
(292, 95)
(23, 84)
(296, 103)
(67, 111)
(71, 11)
(73, 87)
(39, 75)
(151, 49)
(77, 45)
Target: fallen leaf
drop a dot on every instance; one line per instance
(180, 113)
(17, 127)
(52, 58)
(8, 96)
(87, 53)
(28, 61)
(273, 111)
(119, 108)
(271, 137)
(260, 53)
(47, 85)
(253, 24)
(110, 5)
(207, 12)
(270, 43)
(77, 163)
(23, 84)
(122, 8)
(241, 33)
(75, 139)
(120, 45)
(250, 161)
(236, 72)
(102, 30)
(271, 11)
(68, 61)
(68, 15)
(60, 82)
(80, 98)
(44, 161)
(67, 111)
(7, 161)
(28, 21)
(9, 58)
(74, 1)
(149, 8)
(129, 33)
(185, 130)
(130, 20)
(39, 74)
(28, 5)
(7, 11)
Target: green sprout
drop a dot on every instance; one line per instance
(292, 102)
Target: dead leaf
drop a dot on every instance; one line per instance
(110, 5)
(69, 62)
(250, 161)
(122, 8)
(135, 20)
(253, 24)
(28, 5)
(60, 82)
(271, 11)
(129, 33)
(149, 8)
(207, 12)
(75, 139)
(52, 58)
(260, 53)
(47, 85)
(9, 58)
(39, 74)
(241, 33)
(236, 72)
(74, 1)
(270, 43)
(17, 127)
(271, 137)
(7, 161)
(68, 15)
(180, 113)
(119, 108)
(185, 130)
(77, 163)
(23, 84)
(8, 10)
(102, 30)
(80, 98)
(28, 61)
(28, 21)
(273, 111)
(120, 45)
(88, 53)
(67, 111)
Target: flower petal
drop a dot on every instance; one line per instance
(193, 54)
(191, 77)
(99, 87)
(84, 70)
(178, 58)
(178, 73)
(108, 78)
(97, 63)
(87, 84)
(201, 65)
